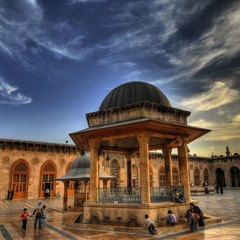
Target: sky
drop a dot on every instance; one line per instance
(59, 60)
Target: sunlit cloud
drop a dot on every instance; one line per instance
(218, 95)
(9, 95)
(236, 119)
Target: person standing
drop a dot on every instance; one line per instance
(47, 193)
(197, 210)
(12, 194)
(221, 188)
(149, 225)
(24, 218)
(9, 195)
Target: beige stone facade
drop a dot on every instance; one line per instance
(30, 167)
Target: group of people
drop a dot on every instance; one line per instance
(39, 213)
(194, 217)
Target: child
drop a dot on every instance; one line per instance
(43, 215)
(149, 225)
(24, 218)
(171, 218)
(193, 219)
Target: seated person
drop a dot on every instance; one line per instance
(177, 196)
(170, 218)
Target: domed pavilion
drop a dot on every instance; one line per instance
(136, 118)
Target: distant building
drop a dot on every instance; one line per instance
(29, 167)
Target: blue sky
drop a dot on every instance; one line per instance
(59, 59)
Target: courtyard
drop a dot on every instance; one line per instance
(60, 224)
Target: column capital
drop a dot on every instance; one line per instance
(95, 144)
(143, 138)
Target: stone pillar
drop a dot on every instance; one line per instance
(129, 171)
(65, 196)
(168, 166)
(85, 190)
(143, 140)
(94, 150)
(183, 168)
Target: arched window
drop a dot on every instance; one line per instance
(162, 177)
(134, 176)
(206, 176)
(175, 176)
(19, 180)
(196, 175)
(48, 174)
(114, 171)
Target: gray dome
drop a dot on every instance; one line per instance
(134, 92)
(82, 162)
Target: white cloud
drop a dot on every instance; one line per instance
(218, 95)
(8, 94)
(236, 119)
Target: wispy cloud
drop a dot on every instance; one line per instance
(9, 95)
(218, 95)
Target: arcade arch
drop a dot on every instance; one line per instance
(196, 175)
(206, 176)
(162, 177)
(220, 177)
(235, 176)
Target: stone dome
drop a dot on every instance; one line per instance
(82, 162)
(134, 92)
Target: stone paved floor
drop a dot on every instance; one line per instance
(225, 206)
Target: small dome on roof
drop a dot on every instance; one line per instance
(81, 162)
(134, 92)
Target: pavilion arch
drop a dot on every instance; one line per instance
(206, 176)
(20, 179)
(220, 177)
(47, 176)
(162, 176)
(196, 176)
(71, 183)
(114, 171)
(175, 176)
(234, 174)
(134, 176)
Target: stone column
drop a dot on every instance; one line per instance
(168, 166)
(65, 195)
(94, 150)
(85, 190)
(129, 171)
(183, 168)
(143, 140)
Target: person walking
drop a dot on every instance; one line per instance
(38, 218)
(12, 194)
(24, 218)
(149, 225)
